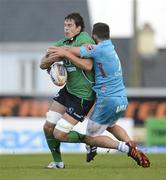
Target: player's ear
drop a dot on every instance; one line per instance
(95, 38)
(79, 29)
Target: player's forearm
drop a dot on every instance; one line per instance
(45, 64)
(85, 64)
(73, 50)
(47, 61)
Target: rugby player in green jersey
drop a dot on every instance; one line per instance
(73, 101)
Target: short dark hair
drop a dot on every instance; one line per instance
(77, 18)
(102, 30)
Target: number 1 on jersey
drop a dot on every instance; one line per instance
(100, 66)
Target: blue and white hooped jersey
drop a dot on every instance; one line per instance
(108, 71)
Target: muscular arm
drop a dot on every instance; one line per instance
(72, 54)
(73, 50)
(48, 60)
(85, 64)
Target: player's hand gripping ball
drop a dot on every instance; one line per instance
(58, 74)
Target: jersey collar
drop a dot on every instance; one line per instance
(71, 39)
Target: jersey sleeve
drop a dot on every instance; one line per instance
(86, 54)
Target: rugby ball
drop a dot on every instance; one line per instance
(58, 74)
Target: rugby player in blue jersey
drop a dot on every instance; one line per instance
(111, 99)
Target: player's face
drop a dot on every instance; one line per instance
(70, 28)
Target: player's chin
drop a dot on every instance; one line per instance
(68, 35)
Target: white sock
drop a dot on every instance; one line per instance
(123, 147)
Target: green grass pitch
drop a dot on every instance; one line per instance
(105, 167)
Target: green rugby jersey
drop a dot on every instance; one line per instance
(79, 82)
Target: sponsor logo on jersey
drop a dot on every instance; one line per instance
(103, 88)
(71, 69)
